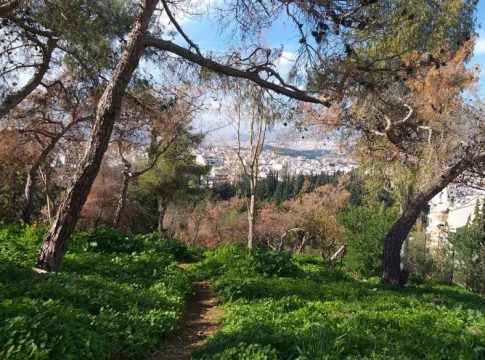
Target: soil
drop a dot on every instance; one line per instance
(199, 322)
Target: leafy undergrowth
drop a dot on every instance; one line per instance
(116, 296)
(305, 310)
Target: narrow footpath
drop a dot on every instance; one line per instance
(199, 322)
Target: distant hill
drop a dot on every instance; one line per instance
(310, 154)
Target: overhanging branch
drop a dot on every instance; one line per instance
(151, 41)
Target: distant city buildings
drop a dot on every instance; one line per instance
(226, 167)
(449, 210)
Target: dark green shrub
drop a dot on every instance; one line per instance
(364, 232)
(231, 258)
(469, 257)
(21, 244)
(235, 260)
(274, 263)
(171, 246)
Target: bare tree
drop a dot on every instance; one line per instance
(251, 117)
(46, 118)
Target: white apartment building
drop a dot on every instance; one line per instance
(450, 210)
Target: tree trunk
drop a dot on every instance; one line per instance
(32, 177)
(251, 216)
(482, 253)
(392, 274)
(405, 255)
(29, 195)
(302, 245)
(107, 112)
(162, 209)
(48, 198)
(122, 200)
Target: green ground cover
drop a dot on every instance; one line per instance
(116, 296)
(283, 307)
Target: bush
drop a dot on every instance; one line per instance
(235, 260)
(231, 258)
(274, 263)
(21, 244)
(364, 233)
(116, 297)
(468, 245)
(172, 246)
(105, 240)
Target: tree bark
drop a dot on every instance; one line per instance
(251, 216)
(32, 175)
(392, 273)
(107, 112)
(48, 199)
(29, 192)
(8, 7)
(302, 245)
(122, 199)
(12, 100)
(482, 254)
(162, 209)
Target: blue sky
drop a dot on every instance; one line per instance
(205, 31)
(479, 57)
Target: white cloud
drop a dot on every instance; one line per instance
(287, 58)
(480, 46)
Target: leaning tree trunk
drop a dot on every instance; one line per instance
(107, 112)
(392, 273)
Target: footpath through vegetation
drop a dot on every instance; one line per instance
(125, 297)
(199, 322)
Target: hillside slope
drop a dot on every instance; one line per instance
(279, 307)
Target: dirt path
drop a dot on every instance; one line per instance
(198, 323)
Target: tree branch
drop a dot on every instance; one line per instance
(12, 100)
(8, 7)
(179, 28)
(151, 41)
